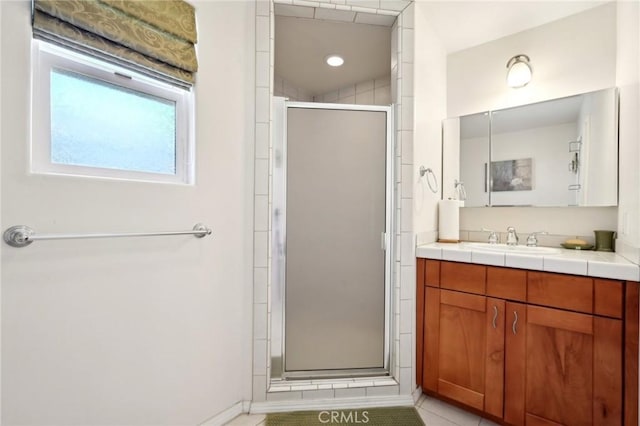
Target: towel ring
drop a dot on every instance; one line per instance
(459, 187)
(430, 173)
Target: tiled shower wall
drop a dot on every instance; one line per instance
(285, 89)
(403, 277)
(402, 51)
(370, 92)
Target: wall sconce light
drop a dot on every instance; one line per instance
(519, 71)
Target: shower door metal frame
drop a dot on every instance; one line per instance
(278, 240)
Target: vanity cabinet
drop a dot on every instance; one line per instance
(573, 369)
(528, 347)
(464, 345)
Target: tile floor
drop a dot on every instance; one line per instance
(432, 411)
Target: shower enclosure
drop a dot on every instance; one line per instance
(331, 221)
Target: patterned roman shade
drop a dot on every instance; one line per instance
(154, 37)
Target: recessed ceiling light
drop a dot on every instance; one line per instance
(334, 60)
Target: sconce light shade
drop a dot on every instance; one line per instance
(519, 71)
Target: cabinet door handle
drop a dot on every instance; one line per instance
(495, 316)
(515, 322)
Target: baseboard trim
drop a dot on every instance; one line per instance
(417, 393)
(227, 415)
(331, 404)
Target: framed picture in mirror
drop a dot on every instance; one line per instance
(511, 175)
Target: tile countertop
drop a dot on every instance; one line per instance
(590, 263)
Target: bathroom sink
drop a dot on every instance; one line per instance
(503, 248)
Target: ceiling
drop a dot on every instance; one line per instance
(303, 38)
(301, 45)
(464, 24)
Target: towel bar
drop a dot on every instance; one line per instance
(22, 235)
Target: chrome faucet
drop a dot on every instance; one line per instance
(493, 237)
(512, 237)
(532, 240)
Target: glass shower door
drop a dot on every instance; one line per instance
(335, 291)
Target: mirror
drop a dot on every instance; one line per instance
(562, 152)
(474, 157)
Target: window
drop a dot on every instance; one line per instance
(91, 118)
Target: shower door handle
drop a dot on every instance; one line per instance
(383, 241)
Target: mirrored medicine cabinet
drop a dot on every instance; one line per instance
(562, 152)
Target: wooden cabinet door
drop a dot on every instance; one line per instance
(515, 363)
(469, 349)
(431, 339)
(573, 369)
(420, 284)
(494, 365)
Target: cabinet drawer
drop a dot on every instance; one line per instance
(463, 277)
(560, 291)
(506, 283)
(609, 298)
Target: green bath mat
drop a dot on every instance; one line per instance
(392, 416)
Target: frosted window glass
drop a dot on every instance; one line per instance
(98, 124)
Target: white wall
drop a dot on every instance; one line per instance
(627, 80)
(430, 83)
(573, 55)
(132, 331)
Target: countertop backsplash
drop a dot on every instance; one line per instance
(550, 240)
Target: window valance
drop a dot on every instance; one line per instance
(155, 37)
